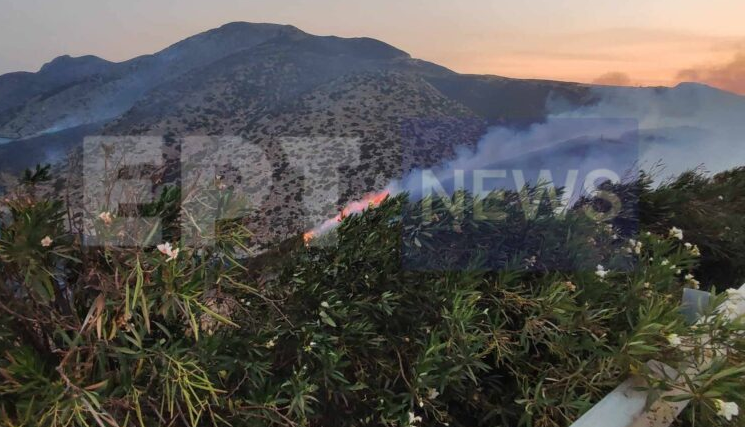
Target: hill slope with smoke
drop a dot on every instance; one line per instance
(661, 131)
(258, 85)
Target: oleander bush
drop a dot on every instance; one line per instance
(710, 212)
(393, 320)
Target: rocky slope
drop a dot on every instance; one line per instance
(263, 85)
(69, 92)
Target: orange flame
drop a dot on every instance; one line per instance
(367, 202)
(307, 236)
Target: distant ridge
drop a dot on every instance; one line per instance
(264, 84)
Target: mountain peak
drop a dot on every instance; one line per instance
(227, 39)
(238, 30)
(67, 63)
(699, 86)
(360, 46)
(252, 26)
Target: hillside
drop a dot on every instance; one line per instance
(261, 85)
(69, 92)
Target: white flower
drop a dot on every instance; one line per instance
(433, 393)
(412, 418)
(726, 409)
(734, 293)
(675, 232)
(721, 197)
(665, 262)
(692, 248)
(635, 246)
(730, 308)
(674, 339)
(106, 218)
(601, 272)
(46, 241)
(734, 304)
(692, 281)
(695, 251)
(166, 249)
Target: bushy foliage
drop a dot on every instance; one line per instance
(341, 333)
(710, 211)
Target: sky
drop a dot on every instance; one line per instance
(631, 42)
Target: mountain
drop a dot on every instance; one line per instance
(18, 88)
(261, 84)
(69, 92)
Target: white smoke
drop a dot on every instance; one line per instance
(662, 130)
(684, 127)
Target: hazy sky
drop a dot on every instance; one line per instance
(619, 42)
